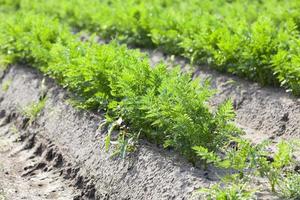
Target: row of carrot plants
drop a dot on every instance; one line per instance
(257, 40)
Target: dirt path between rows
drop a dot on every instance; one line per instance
(19, 178)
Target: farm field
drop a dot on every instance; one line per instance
(149, 99)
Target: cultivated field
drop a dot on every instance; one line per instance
(150, 99)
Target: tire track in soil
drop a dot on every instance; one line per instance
(15, 181)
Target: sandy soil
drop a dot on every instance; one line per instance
(24, 176)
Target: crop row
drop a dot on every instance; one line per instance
(164, 106)
(258, 40)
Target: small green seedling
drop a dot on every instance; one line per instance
(6, 84)
(33, 110)
(126, 142)
(289, 186)
(231, 187)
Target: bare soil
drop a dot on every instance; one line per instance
(24, 175)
